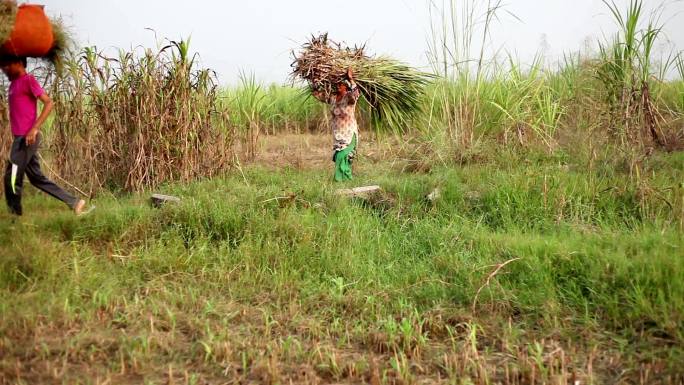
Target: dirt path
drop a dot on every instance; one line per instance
(314, 151)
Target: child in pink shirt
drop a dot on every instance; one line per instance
(24, 92)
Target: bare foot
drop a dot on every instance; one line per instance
(78, 209)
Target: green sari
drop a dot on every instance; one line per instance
(343, 163)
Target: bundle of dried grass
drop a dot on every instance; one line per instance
(393, 90)
(63, 45)
(8, 13)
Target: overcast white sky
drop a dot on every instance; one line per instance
(258, 35)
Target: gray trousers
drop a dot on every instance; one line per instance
(23, 159)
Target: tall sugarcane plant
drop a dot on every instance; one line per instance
(626, 71)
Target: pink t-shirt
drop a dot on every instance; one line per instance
(23, 94)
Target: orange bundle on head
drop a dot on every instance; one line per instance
(32, 34)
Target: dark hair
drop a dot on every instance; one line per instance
(14, 59)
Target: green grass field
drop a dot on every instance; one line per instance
(524, 270)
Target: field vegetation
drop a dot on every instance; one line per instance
(529, 230)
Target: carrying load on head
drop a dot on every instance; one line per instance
(26, 31)
(339, 75)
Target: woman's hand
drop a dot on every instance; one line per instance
(318, 94)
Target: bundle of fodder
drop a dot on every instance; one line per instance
(8, 14)
(393, 90)
(26, 31)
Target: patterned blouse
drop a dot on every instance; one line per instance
(344, 125)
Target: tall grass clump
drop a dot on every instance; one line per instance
(138, 120)
(258, 109)
(278, 108)
(619, 95)
(678, 84)
(8, 13)
(248, 104)
(272, 109)
(627, 73)
(479, 95)
(455, 30)
(292, 109)
(524, 103)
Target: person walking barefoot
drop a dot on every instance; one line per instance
(345, 128)
(24, 92)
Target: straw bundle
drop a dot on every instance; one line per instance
(393, 90)
(64, 43)
(8, 12)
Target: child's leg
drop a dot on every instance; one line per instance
(38, 179)
(13, 199)
(14, 175)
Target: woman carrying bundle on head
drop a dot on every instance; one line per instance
(345, 129)
(394, 91)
